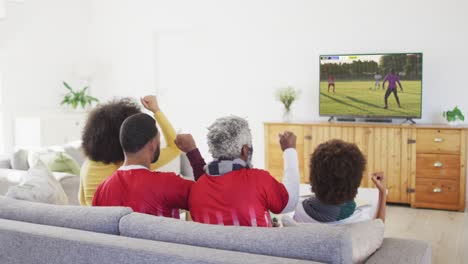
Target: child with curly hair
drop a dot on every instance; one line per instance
(336, 170)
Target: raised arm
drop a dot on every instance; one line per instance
(384, 81)
(379, 180)
(171, 151)
(291, 170)
(186, 143)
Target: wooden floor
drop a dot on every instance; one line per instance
(446, 231)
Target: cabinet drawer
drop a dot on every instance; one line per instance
(438, 141)
(437, 191)
(438, 166)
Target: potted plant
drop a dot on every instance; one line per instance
(454, 117)
(287, 96)
(77, 98)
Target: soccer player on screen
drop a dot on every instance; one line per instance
(377, 79)
(392, 79)
(331, 82)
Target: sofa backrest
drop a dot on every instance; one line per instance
(31, 243)
(96, 219)
(315, 242)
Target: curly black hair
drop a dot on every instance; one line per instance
(101, 133)
(336, 170)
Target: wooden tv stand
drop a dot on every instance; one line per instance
(424, 164)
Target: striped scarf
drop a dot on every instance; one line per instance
(221, 167)
(328, 213)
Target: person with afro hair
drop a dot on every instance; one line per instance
(100, 142)
(336, 170)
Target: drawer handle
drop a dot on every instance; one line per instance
(438, 140)
(437, 190)
(438, 164)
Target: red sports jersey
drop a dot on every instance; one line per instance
(242, 197)
(145, 191)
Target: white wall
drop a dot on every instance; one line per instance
(206, 59)
(41, 43)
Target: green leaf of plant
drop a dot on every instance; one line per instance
(67, 86)
(93, 99)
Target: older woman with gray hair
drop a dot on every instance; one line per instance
(232, 192)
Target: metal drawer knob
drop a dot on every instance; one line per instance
(438, 140)
(438, 164)
(437, 190)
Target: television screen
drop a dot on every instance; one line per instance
(371, 85)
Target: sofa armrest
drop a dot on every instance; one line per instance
(403, 251)
(5, 162)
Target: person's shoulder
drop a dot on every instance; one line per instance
(164, 174)
(114, 177)
(260, 173)
(169, 175)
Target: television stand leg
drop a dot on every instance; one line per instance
(331, 119)
(409, 120)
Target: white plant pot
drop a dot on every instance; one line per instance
(455, 123)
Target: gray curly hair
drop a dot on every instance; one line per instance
(227, 136)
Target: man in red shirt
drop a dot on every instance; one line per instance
(133, 184)
(232, 192)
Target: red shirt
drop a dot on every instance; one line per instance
(242, 197)
(145, 191)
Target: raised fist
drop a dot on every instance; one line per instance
(185, 142)
(379, 180)
(287, 140)
(151, 103)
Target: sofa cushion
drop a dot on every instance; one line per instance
(312, 242)
(75, 150)
(8, 178)
(5, 161)
(70, 184)
(96, 219)
(56, 161)
(19, 160)
(39, 185)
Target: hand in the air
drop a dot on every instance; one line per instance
(151, 103)
(185, 142)
(379, 180)
(287, 140)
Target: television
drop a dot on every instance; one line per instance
(387, 85)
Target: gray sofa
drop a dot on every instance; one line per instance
(42, 233)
